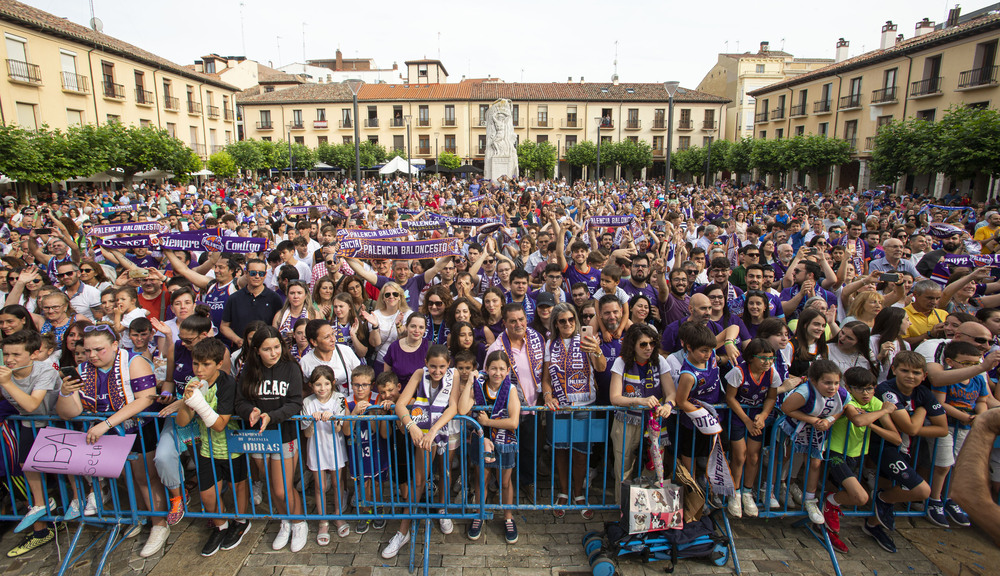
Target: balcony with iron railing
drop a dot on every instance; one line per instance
(884, 95)
(659, 153)
(797, 110)
(75, 83)
(194, 108)
(199, 149)
(659, 124)
(424, 150)
(607, 124)
(450, 149)
(778, 114)
(926, 87)
(265, 125)
(760, 117)
(216, 148)
(397, 123)
(709, 125)
(21, 71)
(479, 123)
(346, 124)
(850, 102)
(448, 122)
(542, 123)
(114, 91)
(571, 123)
(633, 124)
(869, 143)
(212, 111)
(321, 124)
(227, 114)
(517, 123)
(143, 97)
(978, 78)
(423, 122)
(852, 141)
(685, 125)
(297, 125)
(171, 103)
(822, 106)
(371, 122)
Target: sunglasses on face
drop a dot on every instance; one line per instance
(434, 304)
(65, 274)
(976, 339)
(566, 321)
(82, 270)
(258, 273)
(587, 316)
(391, 295)
(645, 344)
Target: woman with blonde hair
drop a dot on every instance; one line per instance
(390, 310)
(58, 318)
(865, 307)
(298, 304)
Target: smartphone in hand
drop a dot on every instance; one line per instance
(70, 372)
(587, 331)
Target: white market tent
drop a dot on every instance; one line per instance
(203, 172)
(398, 164)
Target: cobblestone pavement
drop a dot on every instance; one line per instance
(546, 546)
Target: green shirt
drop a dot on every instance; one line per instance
(858, 435)
(219, 447)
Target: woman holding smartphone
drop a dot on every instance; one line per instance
(115, 380)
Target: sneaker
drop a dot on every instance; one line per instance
(956, 514)
(935, 513)
(90, 509)
(35, 513)
(885, 513)
(176, 513)
(234, 534)
(735, 506)
(832, 514)
(749, 506)
(716, 501)
(510, 532)
(773, 503)
(31, 542)
(378, 523)
(475, 529)
(300, 533)
(73, 511)
(157, 538)
(284, 533)
(836, 542)
(215, 539)
(812, 509)
(392, 548)
(881, 537)
(362, 526)
(258, 493)
(447, 526)
(796, 493)
(133, 530)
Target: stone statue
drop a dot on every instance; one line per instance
(501, 152)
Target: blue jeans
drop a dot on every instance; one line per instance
(168, 458)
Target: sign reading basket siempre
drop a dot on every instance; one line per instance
(254, 441)
(61, 451)
(410, 250)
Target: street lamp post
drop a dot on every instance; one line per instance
(409, 163)
(355, 86)
(598, 121)
(291, 159)
(671, 88)
(558, 147)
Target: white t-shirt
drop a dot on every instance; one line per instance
(326, 448)
(341, 370)
(387, 330)
(85, 301)
(845, 361)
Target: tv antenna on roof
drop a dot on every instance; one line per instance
(95, 23)
(614, 75)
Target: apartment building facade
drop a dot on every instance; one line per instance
(736, 75)
(920, 77)
(61, 74)
(452, 117)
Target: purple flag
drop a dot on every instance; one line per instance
(126, 208)
(302, 210)
(422, 225)
(611, 221)
(128, 228)
(409, 250)
(457, 221)
(373, 234)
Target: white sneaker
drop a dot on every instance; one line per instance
(749, 506)
(300, 533)
(258, 493)
(397, 542)
(133, 530)
(91, 507)
(796, 493)
(73, 510)
(734, 507)
(773, 503)
(284, 533)
(447, 527)
(157, 538)
(815, 515)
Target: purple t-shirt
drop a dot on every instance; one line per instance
(102, 402)
(403, 363)
(411, 291)
(592, 278)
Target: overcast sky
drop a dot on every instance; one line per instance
(529, 40)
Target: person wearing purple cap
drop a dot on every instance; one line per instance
(951, 243)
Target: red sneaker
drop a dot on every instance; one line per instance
(836, 542)
(831, 514)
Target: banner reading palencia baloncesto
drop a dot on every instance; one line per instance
(409, 250)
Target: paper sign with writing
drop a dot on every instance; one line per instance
(61, 451)
(254, 441)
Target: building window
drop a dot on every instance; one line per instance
(265, 119)
(515, 115)
(144, 123)
(320, 140)
(634, 139)
(74, 117)
(685, 119)
(345, 118)
(296, 118)
(605, 139)
(570, 141)
(373, 138)
(800, 130)
(265, 138)
(542, 138)
(423, 115)
(449, 143)
(659, 118)
(300, 140)
(779, 133)
(763, 135)
(26, 116)
(658, 143)
(108, 77)
(926, 114)
(422, 70)
(481, 145)
(209, 66)
(268, 89)
(881, 122)
(424, 145)
(398, 142)
(571, 117)
(321, 114)
(348, 139)
(633, 118)
(194, 136)
(483, 109)
(543, 115)
(823, 128)
(760, 69)
(607, 118)
(172, 129)
(449, 115)
(70, 80)
(683, 142)
(114, 119)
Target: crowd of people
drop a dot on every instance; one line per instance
(859, 322)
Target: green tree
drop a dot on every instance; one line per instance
(534, 157)
(247, 154)
(968, 143)
(222, 164)
(582, 154)
(337, 155)
(633, 155)
(738, 156)
(275, 154)
(19, 160)
(134, 149)
(902, 147)
(372, 154)
(305, 157)
(449, 160)
(766, 156)
(396, 153)
(720, 149)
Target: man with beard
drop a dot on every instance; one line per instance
(951, 243)
(755, 281)
(701, 308)
(638, 280)
(674, 304)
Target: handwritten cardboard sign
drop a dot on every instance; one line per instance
(254, 441)
(61, 451)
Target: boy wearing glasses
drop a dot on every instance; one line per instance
(962, 402)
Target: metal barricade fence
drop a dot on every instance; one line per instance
(453, 488)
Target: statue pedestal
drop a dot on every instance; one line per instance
(500, 166)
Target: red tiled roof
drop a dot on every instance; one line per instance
(30, 17)
(916, 44)
(481, 91)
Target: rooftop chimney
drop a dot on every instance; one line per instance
(569, 79)
(953, 15)
(842, 47)
(899, 38)
(764, 47)
(581, 79)
(925, 26)
(340, 61)
(888, 35)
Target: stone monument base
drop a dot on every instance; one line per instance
(503, 166)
